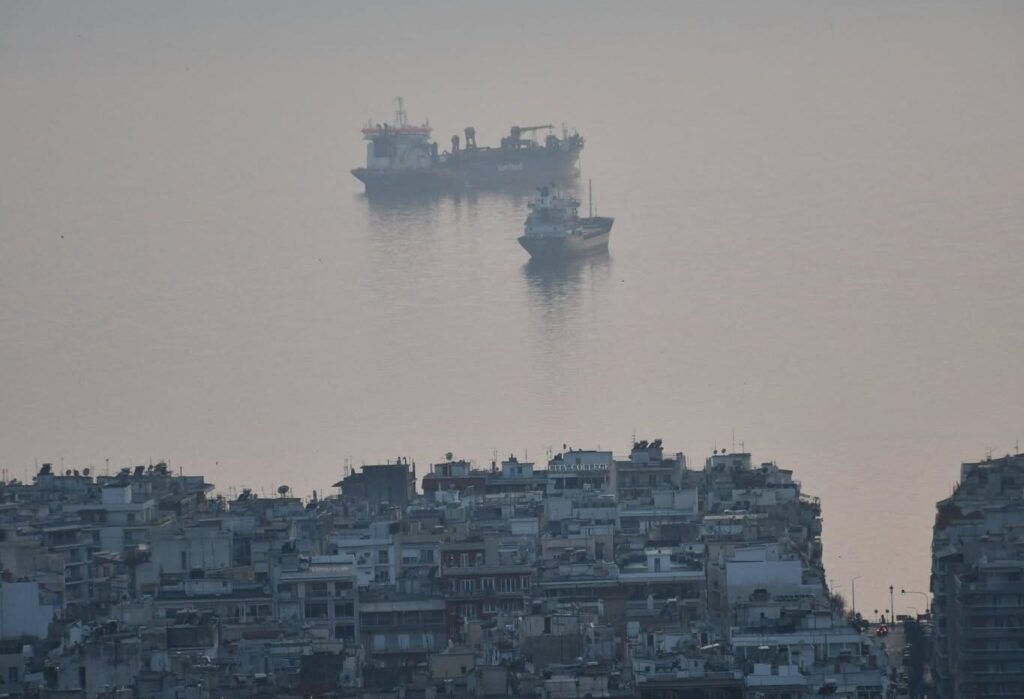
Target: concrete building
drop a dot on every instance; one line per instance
(452, 475)
(23, 611)
(977, 583)
(579, 469)
(321, 597)
(597, 577)
(382, 484)
(646, 472)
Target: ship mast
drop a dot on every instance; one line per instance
(399, 112)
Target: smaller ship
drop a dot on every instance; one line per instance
(555, 230)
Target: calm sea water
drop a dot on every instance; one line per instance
(816, 254)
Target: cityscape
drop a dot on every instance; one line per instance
(547, 349)
(592, 575)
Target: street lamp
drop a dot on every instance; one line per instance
(892, 605)
(923, 594)
(853, 595)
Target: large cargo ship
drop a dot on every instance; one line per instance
(401, 157)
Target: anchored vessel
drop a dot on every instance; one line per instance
(554, 228)
(402, 157)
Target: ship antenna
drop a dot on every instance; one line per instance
(399, 112)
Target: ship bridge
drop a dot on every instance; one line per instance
(401, 126)
(399, 146)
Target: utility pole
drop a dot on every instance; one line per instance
(892, 606)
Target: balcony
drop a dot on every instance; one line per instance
(992, 631)
(477, 593)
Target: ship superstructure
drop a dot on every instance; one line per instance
(402, 157)
(555, 229)
(399, 146)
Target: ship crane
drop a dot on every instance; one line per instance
(524, 129)
(516, 132)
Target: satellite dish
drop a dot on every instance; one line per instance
(283, 490)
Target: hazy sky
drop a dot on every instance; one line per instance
(818, 243)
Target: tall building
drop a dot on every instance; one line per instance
(978, 583)
(382, 484)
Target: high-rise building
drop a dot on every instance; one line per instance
(978, 583)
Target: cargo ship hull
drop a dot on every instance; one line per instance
(482, 169)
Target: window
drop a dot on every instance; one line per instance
(316, 610)
(343, 609)
(382, 557)
(383, 147)
(426, 555)
(345, 631)
(468, 585)
(487, 584)
(316, 589)
(506, 585)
